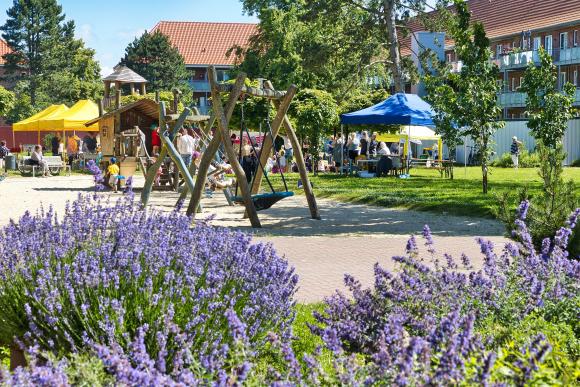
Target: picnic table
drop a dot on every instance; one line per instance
(445, 167)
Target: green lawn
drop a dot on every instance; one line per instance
(427, 191)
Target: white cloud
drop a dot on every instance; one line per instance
(130, 34)
(85, 32)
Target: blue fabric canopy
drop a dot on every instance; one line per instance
(398, 109)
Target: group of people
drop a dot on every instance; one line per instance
(357, 146)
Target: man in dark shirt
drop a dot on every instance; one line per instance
(90, 142)
(373, 145)
(54, 144)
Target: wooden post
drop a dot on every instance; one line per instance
(157, 96)
(268, 141)
(101, 107)
(143, 89)
(301, 168)
(231, 153)
(213, 146)
(117, 98)
(107, 89)
(132, 88)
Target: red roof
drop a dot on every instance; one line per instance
(4, 49)
(206, 43)
(510, 17)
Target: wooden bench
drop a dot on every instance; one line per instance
(55, 165)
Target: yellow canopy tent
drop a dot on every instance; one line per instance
(31, 123)
(74, 118)
(409, 133)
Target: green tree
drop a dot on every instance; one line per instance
(342, 40)
(316, 114)
(7, 101)
(30, 30)
(466, 102)
(154, 57)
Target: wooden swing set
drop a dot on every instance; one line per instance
(249, 193)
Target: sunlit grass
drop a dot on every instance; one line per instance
(427, 191)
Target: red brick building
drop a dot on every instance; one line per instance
(203, 44)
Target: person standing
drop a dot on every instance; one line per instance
(4, 151)
(373, 146)
(185, 146)
(155, 139)
(364, 144)
(515, 151)
(288, 151)
(90, 142)
(55, 144)
(72, 149)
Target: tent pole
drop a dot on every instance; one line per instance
(341, 148)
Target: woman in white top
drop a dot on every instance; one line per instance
(38, 159)
(383, 149)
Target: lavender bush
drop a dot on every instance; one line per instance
(141, 285)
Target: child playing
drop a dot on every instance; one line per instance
(112, 172)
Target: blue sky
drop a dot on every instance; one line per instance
(109, 25)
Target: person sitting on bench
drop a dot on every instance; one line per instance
(36, 158)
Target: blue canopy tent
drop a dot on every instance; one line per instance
(399, 109)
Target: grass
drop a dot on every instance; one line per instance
(427, 191)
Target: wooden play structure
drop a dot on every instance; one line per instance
(125, 134)
(249, 194)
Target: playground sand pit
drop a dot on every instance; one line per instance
(350, 238)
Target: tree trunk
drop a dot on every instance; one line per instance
(393, 43)
(484, 161)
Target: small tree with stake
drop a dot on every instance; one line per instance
(466, 102)
(549, 110)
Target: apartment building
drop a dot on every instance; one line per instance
(517, 29)
(204, 44)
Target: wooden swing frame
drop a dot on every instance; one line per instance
(281, 102)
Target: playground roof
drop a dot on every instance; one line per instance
(205, 44)
(124, 74)
(398, 109)
(145, 106)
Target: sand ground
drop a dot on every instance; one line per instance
(350, 238)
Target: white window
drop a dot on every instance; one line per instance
(562, 79)
(563, 40)
(537, 43)
(548, 43)
(521, 81)
(514, 84)
(202, 101)
(449, 58)
(575, 38)
(499, 50)
(575, 77)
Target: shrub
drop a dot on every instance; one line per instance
(526, 160)
(119, 280)
(575, 163)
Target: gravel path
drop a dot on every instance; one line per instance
(350, 238)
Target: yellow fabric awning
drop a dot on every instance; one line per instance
(32, 123)
(74, 118)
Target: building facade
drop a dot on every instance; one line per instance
(517, 29)
(206, 44)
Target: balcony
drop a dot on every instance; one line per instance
(516, 59)
(512, 99)
(569, 55)
(200, 86)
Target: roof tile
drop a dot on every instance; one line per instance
(510, 17)
(4, 49)
(203, 43)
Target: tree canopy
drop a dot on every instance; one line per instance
(154, 57)
(58, 67)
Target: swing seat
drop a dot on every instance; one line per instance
(266, 200)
